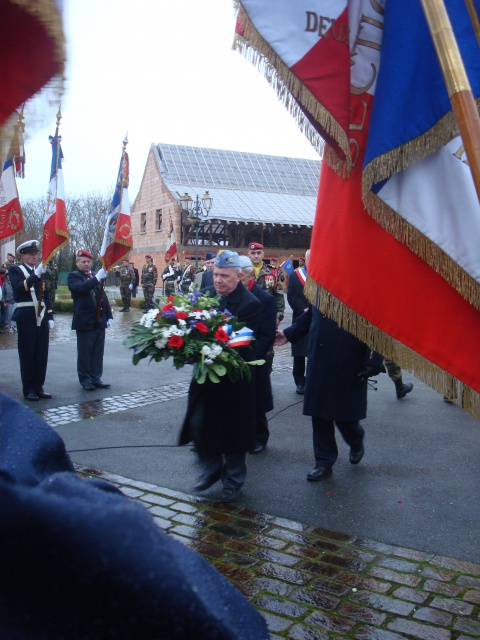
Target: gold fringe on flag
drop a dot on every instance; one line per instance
(291, 92)
(436, 378)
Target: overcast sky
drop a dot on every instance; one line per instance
(164, 71)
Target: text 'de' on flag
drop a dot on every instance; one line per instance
(117, 238)
(55, 231)
(394, 254)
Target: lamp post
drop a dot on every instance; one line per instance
(195, 210)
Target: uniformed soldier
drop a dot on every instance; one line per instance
(51, 279)
(32, 327)
(169, 276)
(127, 279)
(10, 261)
(265, 276)
(148, 281)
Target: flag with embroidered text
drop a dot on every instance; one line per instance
(55, 231)
(11, 219)
(395, 242)
(171, 242)
(117, 238)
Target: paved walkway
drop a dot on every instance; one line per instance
(308, 555)
(316, 584)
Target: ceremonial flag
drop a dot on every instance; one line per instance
(171, 243)
(55, 231)
(32, 50)
(117, 239)
(395, 242)
(11, 219)
(288, 267)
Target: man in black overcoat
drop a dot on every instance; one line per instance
(298, 303)
(263, 344)
(32, 328)
(85, 289)
(81, 561)
(338, 369)
(221, 416)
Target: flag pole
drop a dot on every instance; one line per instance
(457, 83)
(42, 278)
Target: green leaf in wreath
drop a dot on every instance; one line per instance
(213, 376)
(219, 369)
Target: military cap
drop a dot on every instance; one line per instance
(132, 263)
(255, 245)
(83, 253)
(273, 259)
(209, 255)
(31, 246)
(227, 259)
(10, 254)
(148, 257)
(245, 262)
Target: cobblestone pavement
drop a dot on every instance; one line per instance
(315, 584)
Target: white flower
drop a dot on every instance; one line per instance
(208, 361)
(148, 318)
(160, 343)
(216, 350)
(205, 350)
(182, 322)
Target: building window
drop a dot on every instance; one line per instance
(158, 218)
(143, 223)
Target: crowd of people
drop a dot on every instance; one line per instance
(331, 367)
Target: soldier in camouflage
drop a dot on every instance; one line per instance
(50, 279)
(148, 282)
(127, 279)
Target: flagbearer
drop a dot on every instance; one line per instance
(32, 327)
(90, 319)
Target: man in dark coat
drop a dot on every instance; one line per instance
(263, 344)
(338, 369)
(298, 303)
(136, 281)
(32, 328)
(207, 275)
(221, 416)
(82, 561)
(85, 289)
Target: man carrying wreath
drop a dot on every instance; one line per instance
(220, 416)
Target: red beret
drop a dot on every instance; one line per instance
(255, 245)
(83, 253)
(273, 259)
(148, 257)
(132, 263)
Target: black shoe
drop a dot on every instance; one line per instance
(101, 385)
(229, 494)
(356, 456)
(44, 395)
(403, 389)
(258, 449)
(31, 396)
(127, 310)
(121, 310)
(207, 481)
(319, 473)
(89, 387)
(300, 389)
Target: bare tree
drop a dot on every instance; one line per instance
(86, 218)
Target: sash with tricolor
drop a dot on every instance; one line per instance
(241, 338)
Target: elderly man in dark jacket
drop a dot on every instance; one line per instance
(221, 416)
(338, 369)
(298, 302)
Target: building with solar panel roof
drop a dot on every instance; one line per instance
(256, 198)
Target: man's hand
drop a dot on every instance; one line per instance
(109, 322)
(101, 274)
(51, 324)
(280, 338)
(130, 286)
(40, 270)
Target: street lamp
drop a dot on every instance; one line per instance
(195, 210)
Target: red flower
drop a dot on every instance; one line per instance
(167, 307)
(201, 327)
(181, 315)
(222, 335)
(175, 342)
(170, 298)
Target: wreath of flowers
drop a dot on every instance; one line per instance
(190, 329)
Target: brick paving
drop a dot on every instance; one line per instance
(316, 584)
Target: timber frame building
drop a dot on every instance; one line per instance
(256, 198)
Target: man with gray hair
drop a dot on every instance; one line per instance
(220, 416)
(263, 345)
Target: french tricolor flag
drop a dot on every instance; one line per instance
(241, 338)
(11, 219)
(55, 231)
